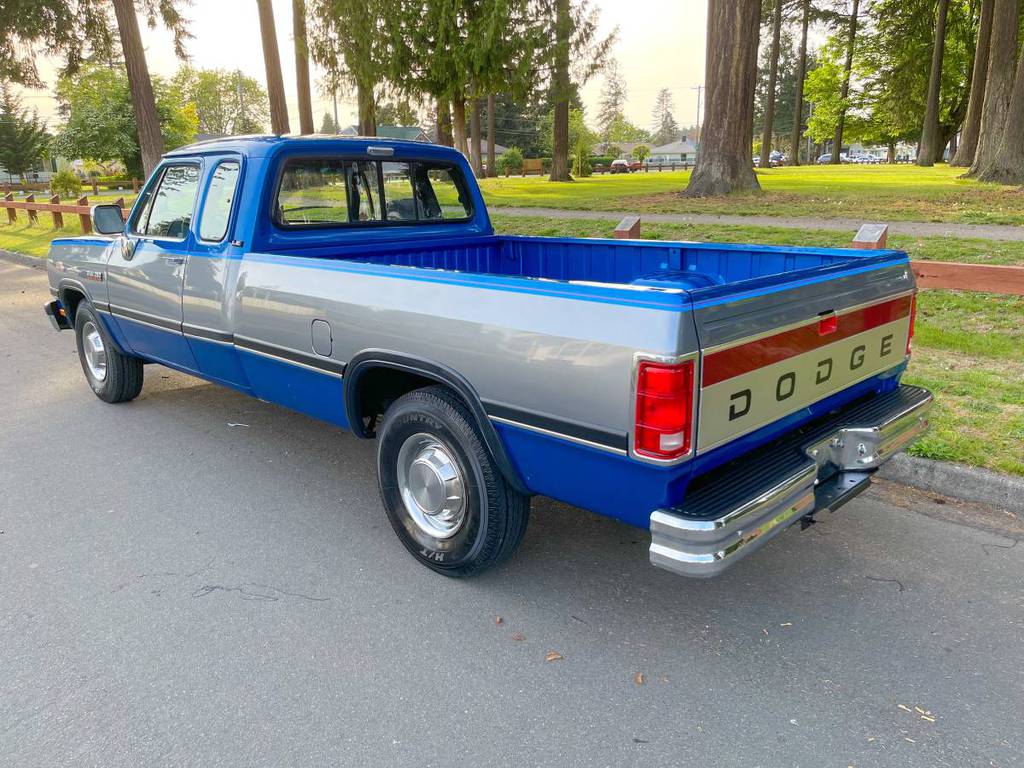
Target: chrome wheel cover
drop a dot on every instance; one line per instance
(95, 352)
(432, 486)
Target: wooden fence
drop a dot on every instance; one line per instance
(55, 208)
(44, 186)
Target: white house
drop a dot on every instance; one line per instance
(682, 152)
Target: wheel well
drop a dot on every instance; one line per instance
(70, 298)
(377, 388)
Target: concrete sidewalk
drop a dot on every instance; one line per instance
(911, 228)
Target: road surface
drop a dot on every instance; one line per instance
(198, 578)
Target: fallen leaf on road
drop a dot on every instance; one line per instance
(638, 678)
(929, 719)
(904, 707)
(498, 620)
(553, 656)
(518, 637)
(787, 624)
(907, 738)
(233, 424)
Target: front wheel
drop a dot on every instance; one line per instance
(446, 499)
(114, 376)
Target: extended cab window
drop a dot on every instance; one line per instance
(213, 222)
(332, 191)
(167, 210)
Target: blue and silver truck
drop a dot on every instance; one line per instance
(712, 394)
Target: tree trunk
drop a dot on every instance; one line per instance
(151, 140)
(890, 156)
(930, 130)
(475, 139)
(723, 165)
(1007, 164)
(560, 139)
(844, 93)
(459, 124)
(302, 66)
(367, 104)
(801, 75)
(999, 84)
(492, 166)
(444, 122)
(272, 63)
(979, 72)
(773, 73)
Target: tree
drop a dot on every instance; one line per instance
(225, 102)
(613, 98)
(328, 125)
(723, 164)
(998, 85)
(844, 91)
(666, 130)
(979, 73)
(398, 112)
(581, 141)
(621, 130)
(272, 64)
(801, 74)
(769, 112)
(23, 137)
(99, 122)
(1006, 165)
(641, 152)
(930, 130)
(573, 32)
(302, 66)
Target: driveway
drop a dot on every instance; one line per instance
(198, 578)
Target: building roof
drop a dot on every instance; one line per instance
(407, 132)
(683, 146)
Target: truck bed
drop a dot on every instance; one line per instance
(687, 266)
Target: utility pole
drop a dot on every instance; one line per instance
(700, 93)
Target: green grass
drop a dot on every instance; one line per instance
(902, 192)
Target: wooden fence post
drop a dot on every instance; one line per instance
(83, 218)
(135, 186)
(58, 217)
(33, 217)
(12, 216)
(628, 229)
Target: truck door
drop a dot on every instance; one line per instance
(146, 273)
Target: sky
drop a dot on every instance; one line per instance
(660, 44)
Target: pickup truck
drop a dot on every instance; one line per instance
(713, 394)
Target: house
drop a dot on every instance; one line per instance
(43, 171)
(405, 132)
(623, 149)
(682, 152)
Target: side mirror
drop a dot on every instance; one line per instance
(106, 219)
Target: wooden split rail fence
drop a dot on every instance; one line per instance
(55, 208)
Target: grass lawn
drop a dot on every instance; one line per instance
(901, 192)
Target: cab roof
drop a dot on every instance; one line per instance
(269, 145)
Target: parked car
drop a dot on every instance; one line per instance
(825, 159)
(713, 394)
(620, 166)
(777, 158)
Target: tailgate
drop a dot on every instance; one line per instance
(786, 342)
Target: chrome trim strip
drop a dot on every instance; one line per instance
(270, 356)
(121, 316)
(559, 435)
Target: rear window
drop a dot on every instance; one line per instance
(319, 192)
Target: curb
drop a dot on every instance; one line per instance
(958, 481)
(24, 260)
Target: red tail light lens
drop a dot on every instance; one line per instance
(664, 409)
(913, 320)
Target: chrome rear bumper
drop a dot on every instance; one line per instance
(739, 507)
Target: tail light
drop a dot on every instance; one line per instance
(913, 320)
(664, 409)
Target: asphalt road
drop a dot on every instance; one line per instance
(197, 578)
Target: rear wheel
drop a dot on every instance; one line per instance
(446, 499)
(114, 376)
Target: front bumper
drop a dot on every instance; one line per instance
(58, 317)
(738, 507)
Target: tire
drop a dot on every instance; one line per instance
(428, 435)
(114, 376)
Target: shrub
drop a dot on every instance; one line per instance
(511, 161)
(66, 184)
(604, 160)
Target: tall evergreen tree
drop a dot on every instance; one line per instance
(23, 137)
(272, 64)
(613, 100)
(666, 129)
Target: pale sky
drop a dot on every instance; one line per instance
(660, 44)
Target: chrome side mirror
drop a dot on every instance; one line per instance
(106, 219)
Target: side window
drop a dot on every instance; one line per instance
(364, 189)
(213, 222)
(168, 211)
(398, 191)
